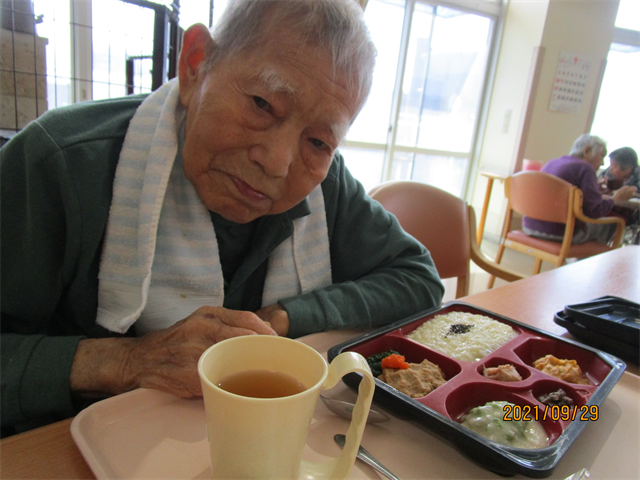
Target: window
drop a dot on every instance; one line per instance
(628, 15)
(616, 119)
(54, 16)
(91, 45)
(195, 11)
(118, 45)
(420, 120)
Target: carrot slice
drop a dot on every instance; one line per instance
(394, 361)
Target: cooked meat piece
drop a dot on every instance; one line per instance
(567, 370)
(416, 381)
(503, 373)
(558, 397)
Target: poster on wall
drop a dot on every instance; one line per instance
(570, 82)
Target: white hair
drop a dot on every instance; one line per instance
(334, 26)
(587, 140)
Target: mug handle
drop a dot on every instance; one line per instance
(340, 467)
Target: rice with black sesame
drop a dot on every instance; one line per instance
(463, 336)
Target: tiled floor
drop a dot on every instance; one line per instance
(479, 278)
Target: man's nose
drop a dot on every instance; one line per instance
(276, 151)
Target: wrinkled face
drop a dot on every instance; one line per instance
(262, 127)
(595, 156)
(619, 172)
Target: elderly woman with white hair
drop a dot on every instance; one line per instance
(137, 232)
(579, 168)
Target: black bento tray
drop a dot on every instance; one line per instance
(467, 388)
(623, 350)
(612, 316)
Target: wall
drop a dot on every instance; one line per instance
(523, 29)
(534, 35)
(584, 27)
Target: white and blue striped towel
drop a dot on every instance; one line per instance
(160, 260)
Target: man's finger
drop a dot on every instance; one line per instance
(240, 319)
(230, 332)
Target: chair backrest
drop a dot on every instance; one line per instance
(546, 197)
(540, 195)
(435, 218)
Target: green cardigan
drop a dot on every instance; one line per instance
(57, 177)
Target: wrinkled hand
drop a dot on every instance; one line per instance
(624, 193)
(277, 317)
(163, 360)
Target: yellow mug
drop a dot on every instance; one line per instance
(264, 438)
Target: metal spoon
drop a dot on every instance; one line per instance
(344, 409)
(367, 458)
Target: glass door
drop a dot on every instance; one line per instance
(421, 118)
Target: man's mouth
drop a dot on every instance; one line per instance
(247, 191)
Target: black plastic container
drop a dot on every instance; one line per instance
(612, 316)
(466, 388)
(609, 323)
(626, 351)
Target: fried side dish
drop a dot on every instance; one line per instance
(503, 373)
(416, 381)
(567, 370)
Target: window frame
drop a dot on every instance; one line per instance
(495, 11)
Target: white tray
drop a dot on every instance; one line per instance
(149, 434)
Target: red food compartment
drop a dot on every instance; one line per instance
(466, 388)
(412, 352)
(496, 361)
(471, 395)
(594, 368)
(544, 386)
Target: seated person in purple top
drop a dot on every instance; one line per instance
(623, 170)
(579, 168)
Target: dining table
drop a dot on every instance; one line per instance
(150, 434)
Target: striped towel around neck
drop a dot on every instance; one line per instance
(160, 259)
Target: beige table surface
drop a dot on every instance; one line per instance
(608, 447)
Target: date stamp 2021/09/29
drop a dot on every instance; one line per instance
(553, 412)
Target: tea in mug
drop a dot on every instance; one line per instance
(261, 384)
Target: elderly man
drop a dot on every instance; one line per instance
(579, 168)
(623, 170)
(137, 232)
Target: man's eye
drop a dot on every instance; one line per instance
(262, 103)
(319, 144)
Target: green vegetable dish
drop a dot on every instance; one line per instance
(489, 421)
(374, 361)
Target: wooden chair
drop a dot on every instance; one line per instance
(546, 197)
(443, 223)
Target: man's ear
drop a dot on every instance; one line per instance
(196, 44)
